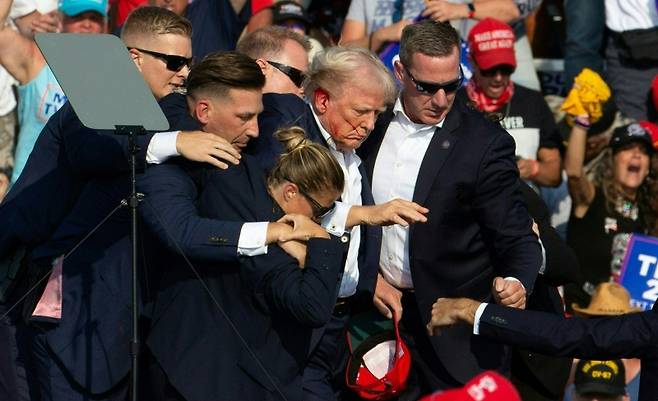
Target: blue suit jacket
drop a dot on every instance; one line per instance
(286, 110)
(478, 228)
(91, 338)
(65, 156)
(629, 336)
(272, 303)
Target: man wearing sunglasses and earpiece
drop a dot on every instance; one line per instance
(434, 150)
(282, 56)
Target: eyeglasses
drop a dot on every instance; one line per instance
(174, 63)
(492, 72)
(431, 88)
(319, 211)
(296, 76)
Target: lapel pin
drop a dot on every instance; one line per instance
(445, 144)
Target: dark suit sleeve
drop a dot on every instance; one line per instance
(169, 210)
(502, 215)
(307, 295)
(103, 153)
(561, 263)
(627, 336)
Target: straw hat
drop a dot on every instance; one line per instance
(609, 299)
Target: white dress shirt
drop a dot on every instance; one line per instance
(395, 173)
(335, 222)
(252, 235)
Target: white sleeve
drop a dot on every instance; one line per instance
(478, 314)
(336, 221)
(357, 11)
(252, 239)
(162, 147)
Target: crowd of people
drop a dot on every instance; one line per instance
(354, 200)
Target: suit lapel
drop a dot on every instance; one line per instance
(442, 143)
(370, 148)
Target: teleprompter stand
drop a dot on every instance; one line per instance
(107, 92)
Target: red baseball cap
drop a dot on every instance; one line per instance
(652, 129)
(487, 386)
(379, 363)
(491, 43)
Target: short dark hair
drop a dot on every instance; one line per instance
(428, 37)
(219, 72)
(269, 41)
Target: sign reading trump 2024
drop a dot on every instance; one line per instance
(639, 274)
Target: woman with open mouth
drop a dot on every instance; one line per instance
(607, 207)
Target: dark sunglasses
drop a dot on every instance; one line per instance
(503, 69)
(296, 76)
(174, 63)
(431, 88)
(319, 211)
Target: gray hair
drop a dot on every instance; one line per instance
(336, 67)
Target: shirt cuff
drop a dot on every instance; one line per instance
(162, 147)
(252, 239)
(336, 221)
(515, 279)
(478, 314)
(542, 268)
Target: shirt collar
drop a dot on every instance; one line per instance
(403, 118)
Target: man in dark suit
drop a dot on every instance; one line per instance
(478, 240)
(256, 312)
(629, 336)
(342, 111)
(73, 179)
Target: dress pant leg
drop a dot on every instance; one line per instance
(585, 26)
(54, 382)
(427, 373)
(326, 365)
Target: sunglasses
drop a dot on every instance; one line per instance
(492, 72)
(319, 211)
(431, 88)
(296, 76)
(174, 63)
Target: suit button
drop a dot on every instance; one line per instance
(344, 239)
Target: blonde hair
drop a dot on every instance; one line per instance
(336, 67)
(150, 21)
(305, 163)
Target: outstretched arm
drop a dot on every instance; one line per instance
(18, 54)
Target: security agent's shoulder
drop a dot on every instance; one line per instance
(284, 103)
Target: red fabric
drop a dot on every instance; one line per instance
(484, 102)
(257, 5)
(491, 43)
(125, 7)
(652, 129)
(654, 91)
(487, 386)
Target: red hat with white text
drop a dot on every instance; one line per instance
(491, 43)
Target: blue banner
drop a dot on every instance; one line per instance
(639, 273)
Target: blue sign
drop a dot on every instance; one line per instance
(639, 273)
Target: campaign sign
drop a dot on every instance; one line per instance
(639, 273)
